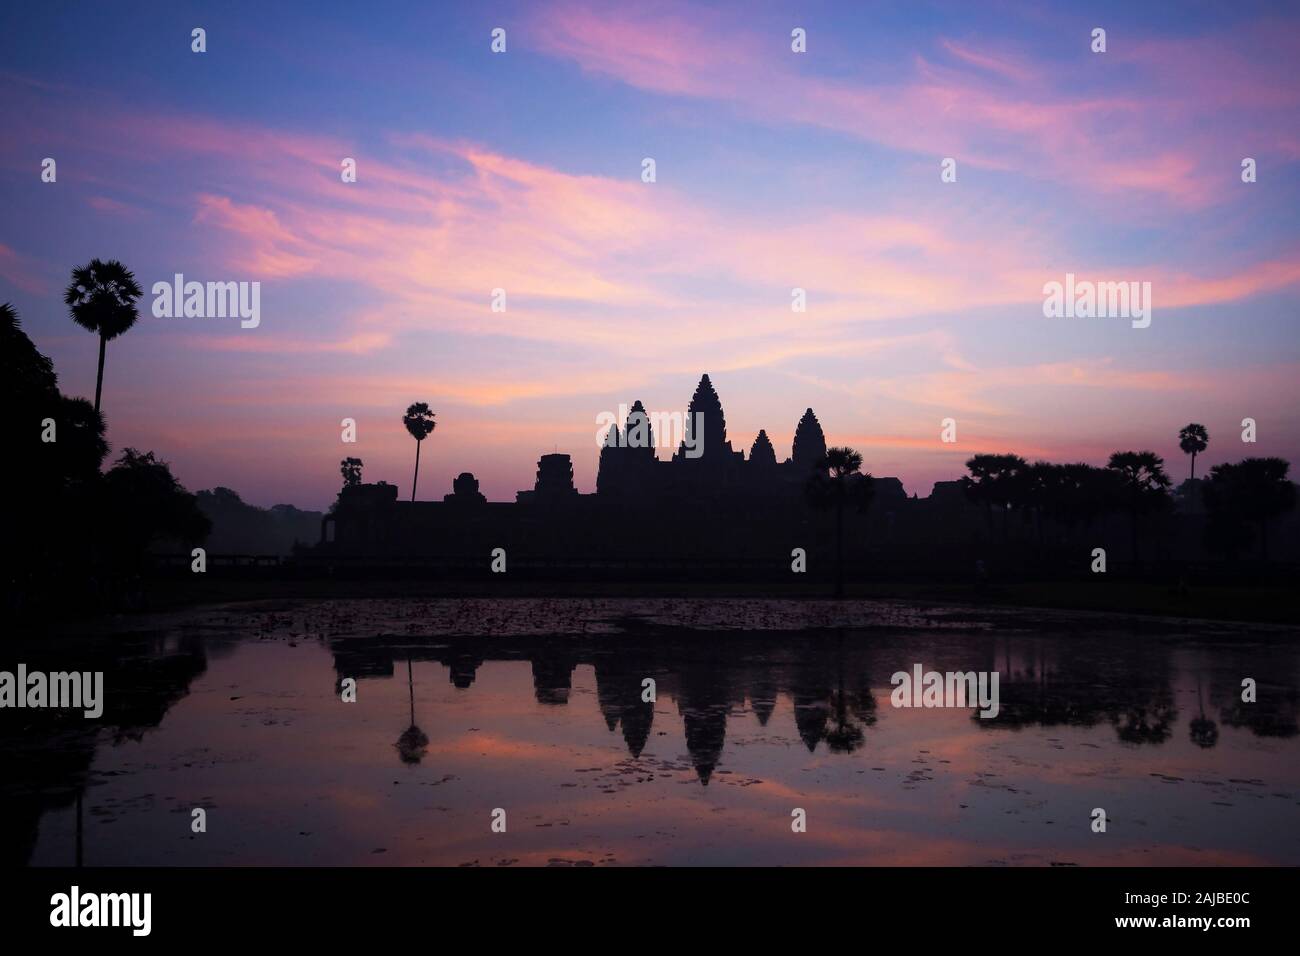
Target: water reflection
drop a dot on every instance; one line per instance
(1085, 719)
(413, 743)
(48, 753)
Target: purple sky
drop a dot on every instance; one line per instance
(775, 170)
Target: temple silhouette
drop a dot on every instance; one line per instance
(708, 501)
(709, 509)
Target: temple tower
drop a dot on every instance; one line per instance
(555, 477)
(809, 442)
(761, 453)
(638, 435)
(705, 413)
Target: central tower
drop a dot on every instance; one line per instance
(705, 413)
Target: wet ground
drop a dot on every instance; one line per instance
(532, 712)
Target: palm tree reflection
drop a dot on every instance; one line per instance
(413, 742)
(847, 736)
(1204, 732)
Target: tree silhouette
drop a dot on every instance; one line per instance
(1254, 489)
(837, 482)
(1071, 495)
(351, 470)
(1193, 439)
(1042, 490)
(81, 447)
(101, 299)
(1144, 485)
(27, 372)
(30, 394)
(145, 504)
(420, 424)
(996, 480)
(49, 487)
(1087, 491)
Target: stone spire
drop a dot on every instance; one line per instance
(809, 442)
(761, 453)
(639, 434)
(608, 470)
(705, 403)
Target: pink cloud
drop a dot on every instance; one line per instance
(999, 110)
(113, 207)
(22, 272)
(621, 285)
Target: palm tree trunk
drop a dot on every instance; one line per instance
(416, 479)
(99, 379)
(1193, 466)
(839, 549)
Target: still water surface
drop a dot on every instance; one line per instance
(535, 707)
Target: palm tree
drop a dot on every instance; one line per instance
(1193, 439)
(1144, 483)
(419, 422)
(838, 481)
(101, 299)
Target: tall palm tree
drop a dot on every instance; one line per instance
(101, 299)
(839, 481)
(1145, 484)
(1193, 439)
(419, 422)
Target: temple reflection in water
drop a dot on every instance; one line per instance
(837, 684)
(822, 693)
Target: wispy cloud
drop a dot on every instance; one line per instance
(1129, 122)
(924, 299)
(22, 272)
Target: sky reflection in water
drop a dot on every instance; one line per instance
(239, 713)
